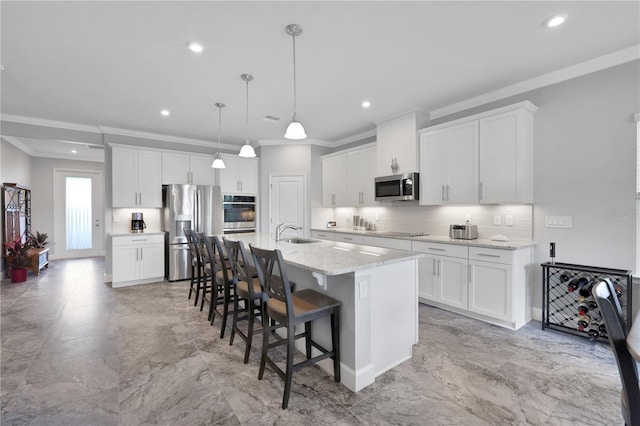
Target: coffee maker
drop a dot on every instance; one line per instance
(137, 223)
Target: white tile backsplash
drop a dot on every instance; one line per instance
(152, 218)
(434, 220)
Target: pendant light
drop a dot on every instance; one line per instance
(247, 150)
(295, 130)
(218, 163)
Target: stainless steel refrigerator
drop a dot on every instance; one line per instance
(197, 207)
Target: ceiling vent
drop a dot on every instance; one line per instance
(271, 118)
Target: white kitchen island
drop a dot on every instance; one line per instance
(378, 288)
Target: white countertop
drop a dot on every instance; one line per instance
(480, 242)
(328, 257)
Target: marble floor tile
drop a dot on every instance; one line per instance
(76, 352)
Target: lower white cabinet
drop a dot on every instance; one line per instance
(137, 259)
(323, 235)
(493, 285)
(350, 238)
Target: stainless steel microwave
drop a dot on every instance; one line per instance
(404, 187)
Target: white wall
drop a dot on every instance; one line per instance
(16, 165)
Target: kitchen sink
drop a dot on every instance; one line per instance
(301, 241)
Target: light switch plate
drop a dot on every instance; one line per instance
(508, 220)
(116, 219)
(557, 221)
(497, 220)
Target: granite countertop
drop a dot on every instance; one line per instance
(328, 257)
(480, 242)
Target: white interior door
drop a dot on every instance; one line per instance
(77, 214)
(287, 202)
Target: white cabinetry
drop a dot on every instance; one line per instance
(334, 177)
(506, 155)
(392, 243)
(449, 164)
(350, 238)
(360, 177)
(137, 259)
(323, 235)
(136, 177)
(397, 140)
(443, 273)
(178, 167)
(240, 175)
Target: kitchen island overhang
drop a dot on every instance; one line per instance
(378, 288)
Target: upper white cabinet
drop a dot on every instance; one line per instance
(178, 167)
(136, 177)
(360, 177)
(240, 175)
(397, 141)
(449, 164)
(348, 177)
(506, 156)
(334, 176)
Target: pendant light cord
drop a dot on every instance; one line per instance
(247, 116)
(219, 125)
(294, 77)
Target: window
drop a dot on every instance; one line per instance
(78, 213)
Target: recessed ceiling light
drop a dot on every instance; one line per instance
(556, 21)
(165, 112)
(195, 47)
(73, 151)
(366, 104)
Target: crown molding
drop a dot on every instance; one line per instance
(165, 138)
(22, 147)
(603, 62)
(357, 137)
(307, 141)
(49, 123)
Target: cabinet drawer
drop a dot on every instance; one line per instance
(441, 249)
(323, 235)
(491, 255)
(391, 243)
(350, 238)
(136, 240)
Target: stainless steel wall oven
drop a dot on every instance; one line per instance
(239, 212)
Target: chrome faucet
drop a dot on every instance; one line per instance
(282, 227)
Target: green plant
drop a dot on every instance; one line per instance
(38, 240)
(17, 253)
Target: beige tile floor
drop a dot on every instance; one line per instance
(76, 352)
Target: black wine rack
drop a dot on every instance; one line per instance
(560, 306)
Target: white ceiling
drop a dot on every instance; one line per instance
(117, 64)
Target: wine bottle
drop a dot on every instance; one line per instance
(583, 308)
(583, 321)
(576, 283)
(564, 276)
(592, 304)
(594, 330)
(585, 290)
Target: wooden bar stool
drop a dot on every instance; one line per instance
(196, 265)
(223, 276)
(206, 274)
(246, 288)
(289, 309)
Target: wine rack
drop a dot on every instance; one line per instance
(560, 306)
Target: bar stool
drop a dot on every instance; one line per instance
(223, 276)
(196, 264)
(247, 288)
(207, 281)
(288, 310)
(605, 296)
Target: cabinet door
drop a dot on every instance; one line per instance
(385, 148)
(490, 289)
(462, 164)
(368, 175)
(175, 168)
(229, 175)
(334, 176)
(151, 261)
(125, 264)
(355, 181)
(124, 171)
(200, 169)
(452, 274)
(149, 169)
(499, 158)
(248, 175)
(405, 141)
(428, 280)
(432, 187)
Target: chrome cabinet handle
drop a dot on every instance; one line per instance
(481, 191)
(442, 192)
(447, 192)
(488, 255)
(436, 249)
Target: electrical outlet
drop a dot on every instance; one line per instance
(557, 221)
(116, 218)
(467, 218)
(508, 220)
(497, 220)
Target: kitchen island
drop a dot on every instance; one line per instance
(378, 288)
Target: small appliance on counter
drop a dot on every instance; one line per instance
(137, 223)
(463, 232)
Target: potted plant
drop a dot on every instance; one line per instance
(18, 259)
(38, 240)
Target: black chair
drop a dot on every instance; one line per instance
(605, 296)
(223, 276)
(289, 309)
(246, 288)
(196, 265)
(206, 272)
